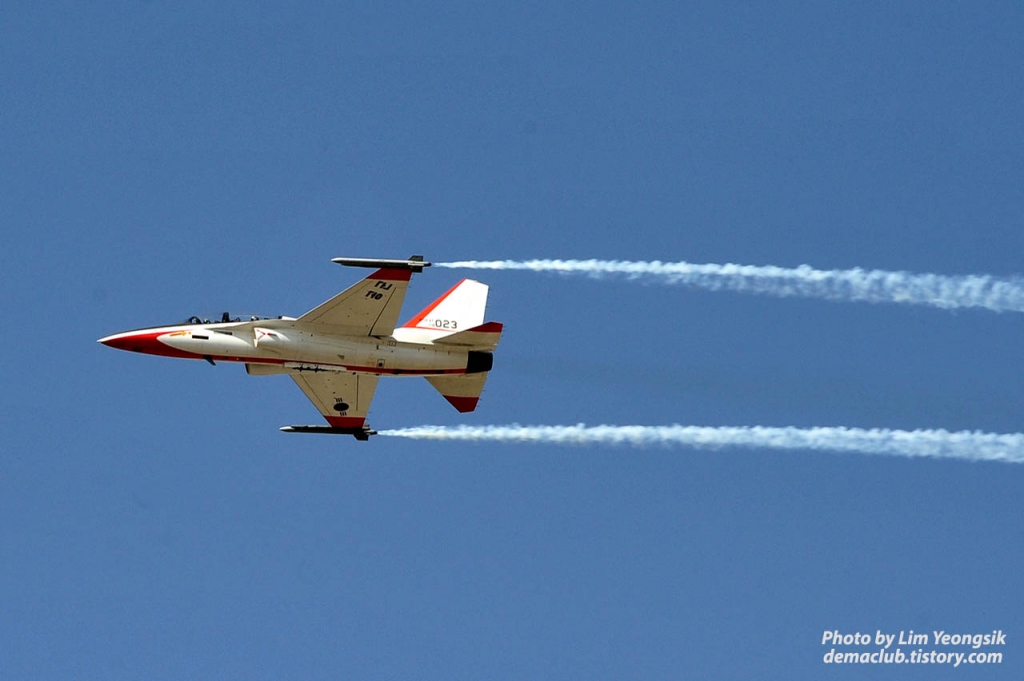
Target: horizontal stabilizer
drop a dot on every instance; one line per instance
(462, 392)
(483, 337)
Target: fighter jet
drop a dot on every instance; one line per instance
(337, 351)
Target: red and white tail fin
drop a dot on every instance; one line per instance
(460, 309)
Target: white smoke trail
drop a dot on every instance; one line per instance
(938, 444)
(873, 286)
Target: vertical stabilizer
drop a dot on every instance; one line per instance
(460, 309)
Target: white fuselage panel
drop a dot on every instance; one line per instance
(288, 342)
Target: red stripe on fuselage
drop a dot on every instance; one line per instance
(148, 343)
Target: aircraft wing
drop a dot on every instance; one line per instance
(369, 308)
(342, 398)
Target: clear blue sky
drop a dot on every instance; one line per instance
(160, 162)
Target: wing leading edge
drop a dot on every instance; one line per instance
(369, 308)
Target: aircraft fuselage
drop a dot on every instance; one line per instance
(336, 351)
(286, 344)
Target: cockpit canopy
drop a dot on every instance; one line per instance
(225, 318)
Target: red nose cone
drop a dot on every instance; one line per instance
(118, 342)
(145, 342)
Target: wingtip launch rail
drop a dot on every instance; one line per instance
(363, 433)
(414, 263)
